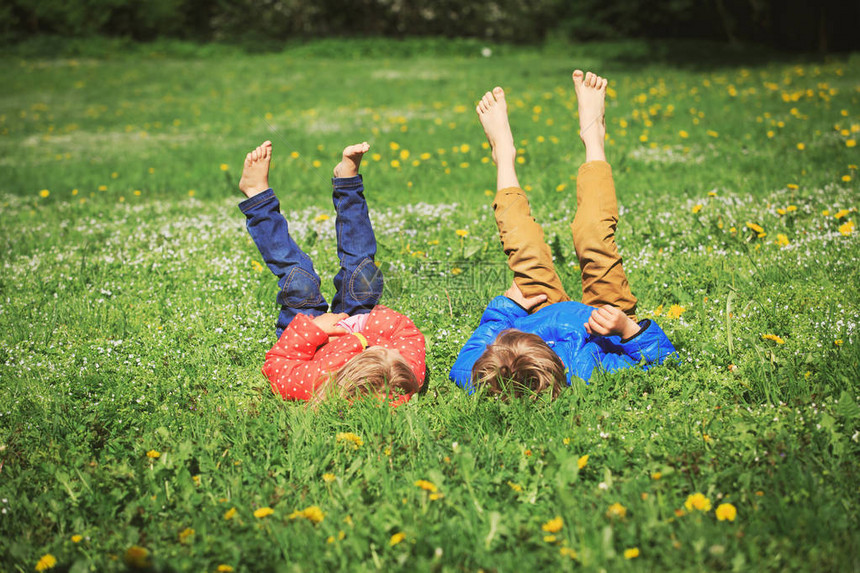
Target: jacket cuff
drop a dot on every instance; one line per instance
(643, 326)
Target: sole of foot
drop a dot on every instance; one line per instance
(492, 112)
(255, 172)
(351, 160)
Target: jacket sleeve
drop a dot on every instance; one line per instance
(290, 365)
(498, 316)
(403, 335)
(650, 346)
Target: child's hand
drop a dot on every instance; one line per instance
(328, 323)
(609, 320)
(515, 294)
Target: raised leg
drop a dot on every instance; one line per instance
(529, 257)
(298, 283)
(593, 227)
(358, 282)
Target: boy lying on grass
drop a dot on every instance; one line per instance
(358, 348)
(534, 338)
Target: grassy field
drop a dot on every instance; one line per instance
(136, 429)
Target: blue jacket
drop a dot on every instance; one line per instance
(561, 326)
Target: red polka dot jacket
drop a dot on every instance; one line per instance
(295, 364)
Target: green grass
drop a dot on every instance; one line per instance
(134, 315)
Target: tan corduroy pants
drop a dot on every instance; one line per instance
(593, 228)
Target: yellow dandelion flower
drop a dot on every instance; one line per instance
(698, 501)
(44, 193)
(754, 227)
(841, 213)
(75, 192)
(230, 513)
(568, 552)
(825, 213)
(136, 192)
(425, 156)
(675, 311)
(394, 146)
(791, 208)
(456, 271)
(462, 233)
(185, 534)
(712, 133)
(47, 561)
(152, 454)
(263, 512)
(846, 178)
(311, 513)
(316, 163)
(321, 217)
(801, 146)
(465, 148)
(521, 159)
(294, 154)
(396, 538)
(780, 211)
(515, 486)
(656, 476)
(683, 134)
(631, 553)
(137, 557)
(225, 568)
(616, 510)
(404, 154)
(793, 186)
(781, 240)
(850, 142)
(550, 538)
(77, 538)
(554, 525)
(582, 461)
(328, 478)
(847, 228)
(257, 266)
(696, 209)
(225, 167)
(773, 337)
(837, 342)
(426, 485)
(726, 512)
(102, 187)
(196, 480)
(435, 496)
(191, 192)
(350, 438)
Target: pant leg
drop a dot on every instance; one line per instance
(359, 281)
(593, 227)
(298, 283)
(529, 257)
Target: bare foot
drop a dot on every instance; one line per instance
(591, 95)
(255, 173)
(493, 114)
(348, 166)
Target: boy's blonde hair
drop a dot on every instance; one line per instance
(519, 364)
(376, 370)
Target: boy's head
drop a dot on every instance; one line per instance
(377, 370)
(517, 364)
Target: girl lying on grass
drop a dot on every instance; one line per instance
(359, 347)
(534, 338)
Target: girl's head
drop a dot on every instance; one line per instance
(377, 370)
(517, 364)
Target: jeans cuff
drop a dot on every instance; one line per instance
(248, 204)
(347, 182)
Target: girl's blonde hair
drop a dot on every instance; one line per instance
(376, 370)
(519, 364)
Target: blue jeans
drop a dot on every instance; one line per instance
(358, 282)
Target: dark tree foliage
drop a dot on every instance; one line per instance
(824, 25)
